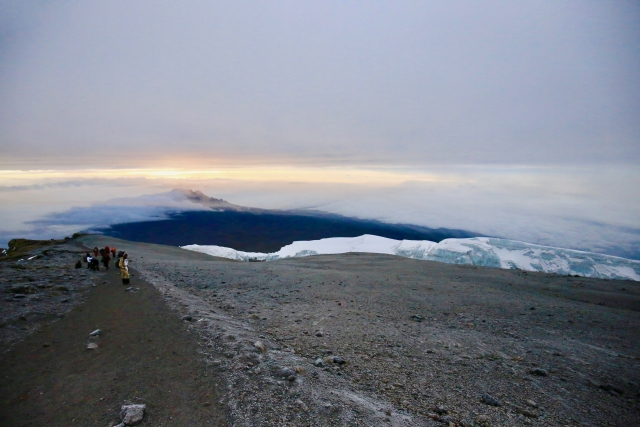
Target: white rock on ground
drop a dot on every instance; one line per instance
(132, 415)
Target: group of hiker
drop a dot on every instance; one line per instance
(104, 255)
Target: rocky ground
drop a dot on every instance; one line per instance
(39, 285)
(368, 340)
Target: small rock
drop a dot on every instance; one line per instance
(338, 360)
(532, 308)
(483, 420)
(92, 346)
(440, 410)
(527, 413)
(132, 415)
(539, 372)
(260, 346)
(319, 334)
(187, 318)
(611, 389)
(291, 378)
(95, 333)
(417, 318)
(490, 400)
(287, 372)
(301, 405)
(531, 403)
(319, 362)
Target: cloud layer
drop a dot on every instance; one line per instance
(594, 209)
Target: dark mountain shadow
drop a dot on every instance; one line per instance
(266, 231)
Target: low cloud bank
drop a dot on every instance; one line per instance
(595, 209)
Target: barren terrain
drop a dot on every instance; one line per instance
(366, 340)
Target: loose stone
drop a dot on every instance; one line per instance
(490, 400)
(260, 346)
(132, 415)
(338, 360)
(440, 410)
(287, 372)
(539, 372)
(483, 420)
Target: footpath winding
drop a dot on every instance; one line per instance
(144, 355)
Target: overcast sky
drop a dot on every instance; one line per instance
(357, 82)
(518, 119)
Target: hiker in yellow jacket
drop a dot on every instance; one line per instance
(123, 264)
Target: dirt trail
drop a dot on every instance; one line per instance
(145, 355)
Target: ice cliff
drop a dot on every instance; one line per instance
(481, 251)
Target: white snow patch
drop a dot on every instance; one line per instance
(482, 251)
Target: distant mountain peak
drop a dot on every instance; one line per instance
(199, 197)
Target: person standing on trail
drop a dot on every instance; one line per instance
(113, 253)
(124, 268)
(96, 252)
(117, 259)
(92, 263)
(107, 253)
(105, 259)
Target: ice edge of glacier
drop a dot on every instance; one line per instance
(479, 251)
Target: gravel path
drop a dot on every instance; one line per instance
(144, 353)
(364, 340)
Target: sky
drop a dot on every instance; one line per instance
(514, 119)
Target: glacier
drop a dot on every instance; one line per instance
(479, 251)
